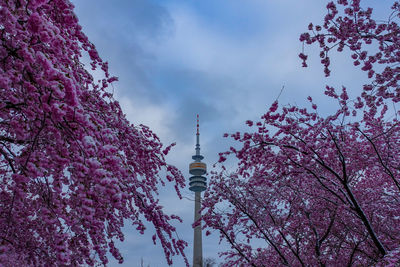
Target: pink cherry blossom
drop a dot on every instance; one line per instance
(73, 169)
(313, 190)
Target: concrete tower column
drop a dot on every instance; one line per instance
(197, 238)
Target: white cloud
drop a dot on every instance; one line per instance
(157, 117)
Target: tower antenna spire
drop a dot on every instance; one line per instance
(198, 124)
(198, 138)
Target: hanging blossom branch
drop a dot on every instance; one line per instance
(73, 170)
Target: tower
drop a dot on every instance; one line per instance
(197, 184)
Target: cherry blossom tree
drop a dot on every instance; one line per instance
(73, 170)
(314, 190)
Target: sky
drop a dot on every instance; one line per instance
(226, 60)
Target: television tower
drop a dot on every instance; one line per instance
(197, 184)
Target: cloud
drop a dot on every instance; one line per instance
(120, 31)
(157, 117)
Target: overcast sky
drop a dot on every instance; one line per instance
(226, 60)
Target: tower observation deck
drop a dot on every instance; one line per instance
(197, 184)
(197, 168)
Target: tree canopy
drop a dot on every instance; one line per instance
(315, 190)
(73, 170)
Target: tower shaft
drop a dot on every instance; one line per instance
(197, 238)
